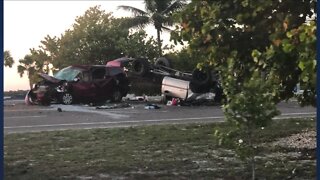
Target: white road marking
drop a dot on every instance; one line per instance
(21, 117)
(75, 108)
(220, 118)
(18, 110)
(117, 122)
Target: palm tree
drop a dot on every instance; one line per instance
(8, 60)
(158, 12)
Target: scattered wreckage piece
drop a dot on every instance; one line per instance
(151, 106)
(133, 97)
(115, 106)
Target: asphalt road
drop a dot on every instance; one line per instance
(19, 117)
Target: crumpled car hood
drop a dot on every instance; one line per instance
(49, 78)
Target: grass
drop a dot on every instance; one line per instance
(151, 152)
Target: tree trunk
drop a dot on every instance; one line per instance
(30, 82)
(252, 153)
(253, 167)
(159, 42)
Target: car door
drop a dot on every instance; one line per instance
(121, 79)
(84, 88)
(103, 82)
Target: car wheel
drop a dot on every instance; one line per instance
(199, 88)
(30, 99)
(201, 77)
(140, 67)
(116, 96)
(67, 98)
(162, 61)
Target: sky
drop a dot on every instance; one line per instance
(26, 23)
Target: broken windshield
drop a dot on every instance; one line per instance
(68, 74)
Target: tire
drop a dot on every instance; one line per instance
(67, 98)
(162, 61)
(201, 77)
(116, 96)
(30, 99)
(199, 88)
(140, 67)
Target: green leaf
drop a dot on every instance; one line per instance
(305, 79)
(288, 47)
(289, 34)
(245, 3)
(302, 36)
(255, 54)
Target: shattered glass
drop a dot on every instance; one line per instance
(68, 73)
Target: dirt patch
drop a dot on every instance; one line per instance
(303, 140)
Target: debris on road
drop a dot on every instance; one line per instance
(156, 99)
(59, 109)
(133, 97)
(123, 105)
(87, 109)
(151, 106)
(173, 102)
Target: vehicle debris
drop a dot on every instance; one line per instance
(133, 97)
(123, 105)
(173, 102)
(151, 106)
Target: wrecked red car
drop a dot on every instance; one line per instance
(80, 83)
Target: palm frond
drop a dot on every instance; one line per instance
(168, 21)
(150, 6)
(136, 22)
(133, 10)
(161, 5)
(177, 5)
(166, 28)
(160, 18)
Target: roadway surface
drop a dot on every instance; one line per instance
(19, 117)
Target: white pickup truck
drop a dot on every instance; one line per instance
(181, 89)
